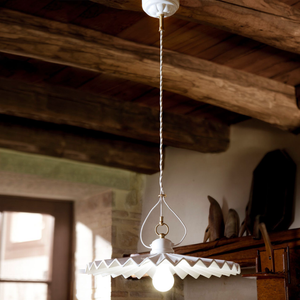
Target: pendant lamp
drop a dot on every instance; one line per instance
(162, 263)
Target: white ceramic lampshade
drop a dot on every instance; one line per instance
(140, 265)
(162, 255)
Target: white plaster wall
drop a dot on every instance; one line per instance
(223, 288)
(190, 176)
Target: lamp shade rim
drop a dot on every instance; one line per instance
(181, 265)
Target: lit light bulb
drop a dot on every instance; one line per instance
(163, 279)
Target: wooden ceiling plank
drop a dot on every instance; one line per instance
(229, 117)
(173, 27)
(130, 92)
(107, 20)
(28, 6)
(12, 57)
(204, 81)
(71, 77)
(279, 67)
(75, 108)
(263, 59)
(196, 48)
(233, 51)
(35, 71)
(77, 144)
(144, 31)
(291, 78)
(296, 5)
(184, 108)
(64, 11)
(183, 36)
(290, 2)
(8, 64)
(103, 84)
(271, 22)
(246, 59)
(268, 62)
(220, 47)
(26, 69)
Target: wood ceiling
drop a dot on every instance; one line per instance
(79, 79)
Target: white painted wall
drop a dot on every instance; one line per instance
(190, 176)
(224, 288)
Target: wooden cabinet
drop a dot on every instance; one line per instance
(278, 282)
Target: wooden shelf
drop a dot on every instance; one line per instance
(241, 250)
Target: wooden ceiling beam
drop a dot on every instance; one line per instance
(204, 81)
(76, 108)
(77, 144)
(271, 22)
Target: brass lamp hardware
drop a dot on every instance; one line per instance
(161, 223)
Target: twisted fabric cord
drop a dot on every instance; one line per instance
(161, 139)
(161, 200)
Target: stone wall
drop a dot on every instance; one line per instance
(126, 215)
(93, 219)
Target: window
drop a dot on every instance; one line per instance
(36, 249)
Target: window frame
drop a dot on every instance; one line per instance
(61, 285)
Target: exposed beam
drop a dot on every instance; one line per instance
(77, 144)
(76, 108)
(238, 91)
(269, 21)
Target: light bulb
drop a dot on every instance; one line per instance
(163, 279)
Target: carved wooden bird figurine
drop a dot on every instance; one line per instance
(232, 224)
(215, 228)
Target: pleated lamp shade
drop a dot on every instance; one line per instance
(140, 265)
(162, 256)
